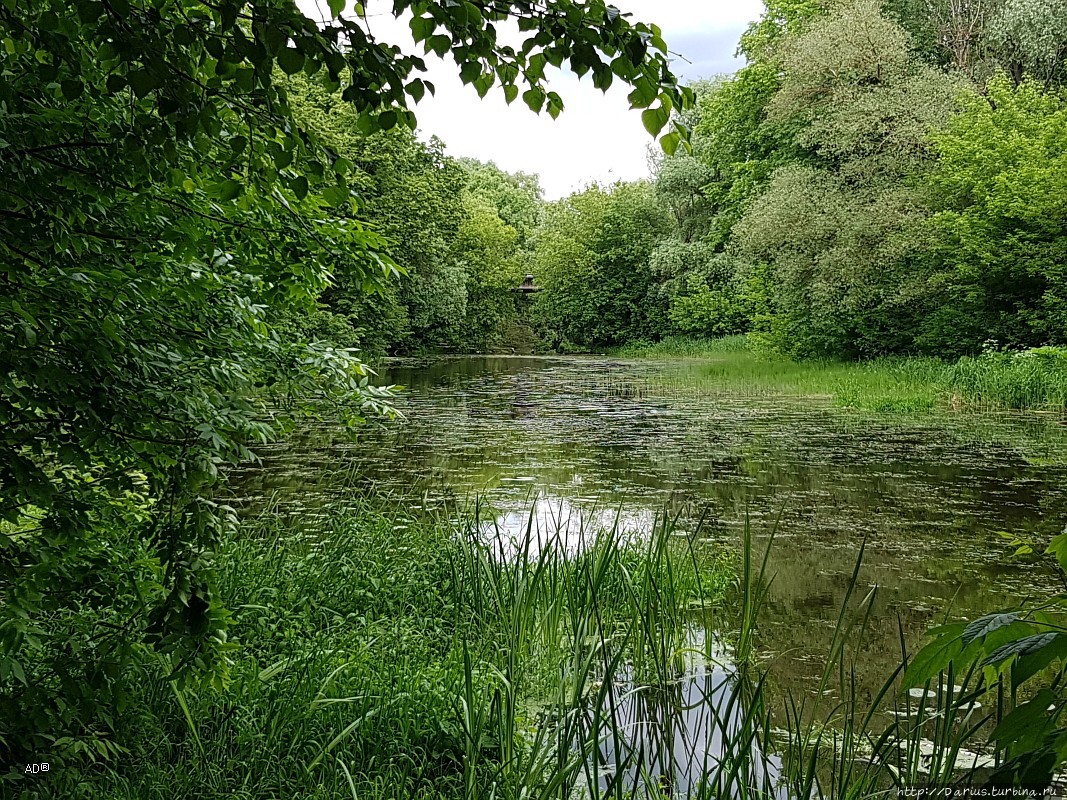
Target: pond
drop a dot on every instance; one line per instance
(928, 494)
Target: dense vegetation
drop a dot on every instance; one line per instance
(178, 202)
(387, 655)
(879, 179)
(215, 214)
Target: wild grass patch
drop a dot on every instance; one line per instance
(1033, 379)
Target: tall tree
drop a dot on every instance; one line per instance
(591, 256)
(838, 226)
(158, 197)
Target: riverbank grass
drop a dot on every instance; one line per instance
(384, 655)
(1033, 379)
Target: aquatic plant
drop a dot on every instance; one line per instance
(386, 654)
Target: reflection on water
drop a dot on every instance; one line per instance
(672, 739)
(928, 494)
(558, 523)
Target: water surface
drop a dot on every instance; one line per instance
(928, 494)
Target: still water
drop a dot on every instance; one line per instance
(632, 439)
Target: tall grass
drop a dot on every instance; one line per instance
(1031, 379)
(682, 347)
(388, 656)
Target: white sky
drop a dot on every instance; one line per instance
(597, 138)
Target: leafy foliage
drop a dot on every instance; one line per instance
(168, 214)
(591, 257)
(1001, 189)
(1023, 650)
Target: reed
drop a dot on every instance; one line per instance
(388, 655)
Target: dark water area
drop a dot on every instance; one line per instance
(607, 438)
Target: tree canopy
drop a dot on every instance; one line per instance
(169, 204)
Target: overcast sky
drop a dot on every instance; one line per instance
(596, 138)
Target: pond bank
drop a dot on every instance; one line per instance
(390, 654)
(1033, 380)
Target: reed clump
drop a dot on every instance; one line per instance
(382, 654)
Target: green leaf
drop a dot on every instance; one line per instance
(1026, 666)
(511, 91)
(299, 186)
(1021, 647)
(534, 98)
(336, 196)
(483, 83)
(931, 660)
(644, 93)
(141, 81)
(438, 44)
(1027, 722)
(336, 7)
(655, 119)
(1058, 549)
(555, 105)
(72, 89)
(422, 27)
(987, 624)
(417, 90)
(290, 60)
(670, 142)
(226, 190)
(470, 71)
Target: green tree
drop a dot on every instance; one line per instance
(1029, 38)
(592, 259)
(161, 208)
(1000, 188)
(840, 226)
(488, 249)
(516, 197)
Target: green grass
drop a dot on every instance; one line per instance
(1028, 380)
(388, 656)
(681, 347)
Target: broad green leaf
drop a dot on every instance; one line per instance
(72, 89)
(438, 44)
(1026, 724)
(422, 27)
(1025, 646)
(1026, 666)
(534, 98)
(654, 119)
(290, 60)
(987, 624)
(931, 660)
(417, 90)
(226, 190)
(141, 82)
(1058, 549)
